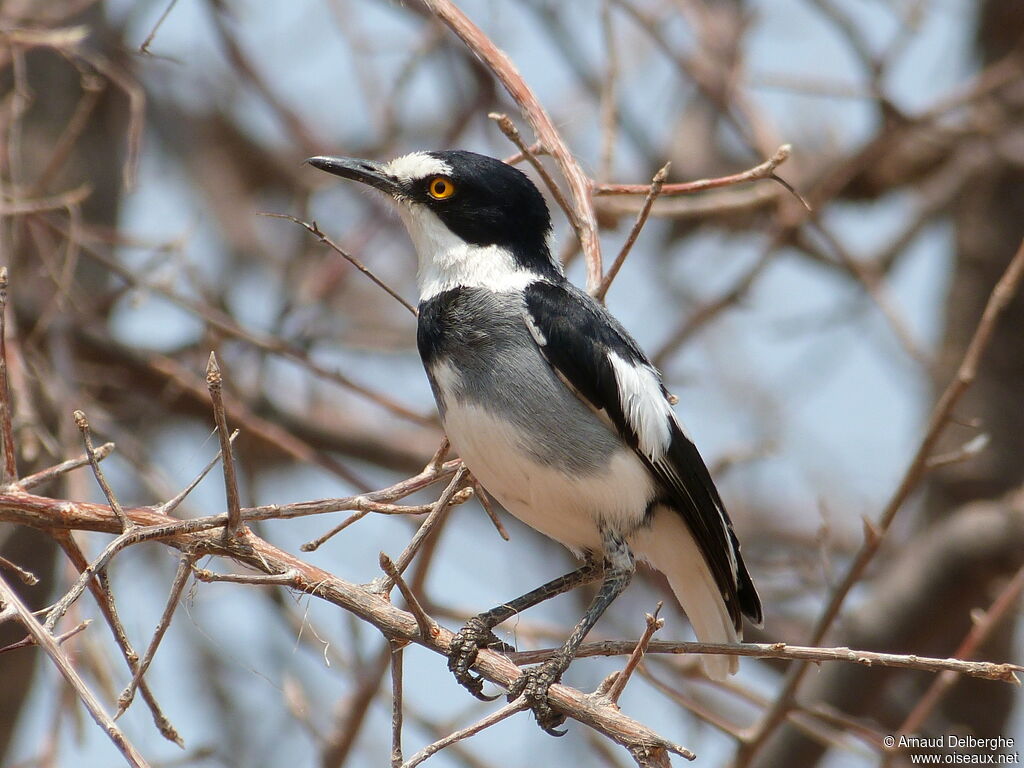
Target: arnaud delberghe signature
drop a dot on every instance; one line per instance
(954, 741)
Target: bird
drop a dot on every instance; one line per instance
(555, 410)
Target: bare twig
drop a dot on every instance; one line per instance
(512, 134)
(173, 503)
(215, 382)
(397, 662)
(987, 670)
(621, 678)
(83, 426)
(144, 48)
(428, 627)
(464, 733)
(765, 170)
(314, 230)
(979, 633)
(657, 184)
(436, 515)
(47, 642)
(287, 578)
(100, 589)
(314, 544)
(968, 450)
(51, 473)
(366, 506)
(27, 577)
(10, 466)
(29, 641)
(178, 585)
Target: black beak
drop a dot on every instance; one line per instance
(365, 171)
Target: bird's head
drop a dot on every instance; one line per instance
(473, 220)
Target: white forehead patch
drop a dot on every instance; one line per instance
(417, 165)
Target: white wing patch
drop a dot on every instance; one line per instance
(644, 406)
(535, 331)
(417, 165)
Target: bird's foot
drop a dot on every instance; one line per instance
(462, 654)
(533, 685)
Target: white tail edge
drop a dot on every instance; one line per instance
(668, 546)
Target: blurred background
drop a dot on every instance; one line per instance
(138, 153)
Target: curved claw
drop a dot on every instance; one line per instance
(462, 653)
(533, 685)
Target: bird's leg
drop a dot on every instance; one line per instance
(477, 632)
(534, 682)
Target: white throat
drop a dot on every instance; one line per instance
(447, 261)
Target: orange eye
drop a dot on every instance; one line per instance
(441, 188)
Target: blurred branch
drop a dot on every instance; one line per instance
(874, 532)
(52, 648)
(503, 68)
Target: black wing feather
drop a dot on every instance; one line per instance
(577, 336)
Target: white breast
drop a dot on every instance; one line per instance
(569, 508)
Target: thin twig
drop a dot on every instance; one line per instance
(439, 455)
(83, 426)
(968, 450)
(765, 170)
(10, 466)
(464, 733)
(397, 659)
(314, 230)
(987, 670)
(314, 544)
(144, 48)
(512, 134)
(366, 506)
(177, 586)
(215, 383)
(29, 641)
(287, 578)
(536, 149)
(621, 678)
(27, 577)
(175, 501)
(979, 633)
(428, 627)
(436, 515)
(47, 642)
(657, 184)
(100, 589)
(51, 473)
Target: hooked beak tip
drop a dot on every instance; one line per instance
(364, 171)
